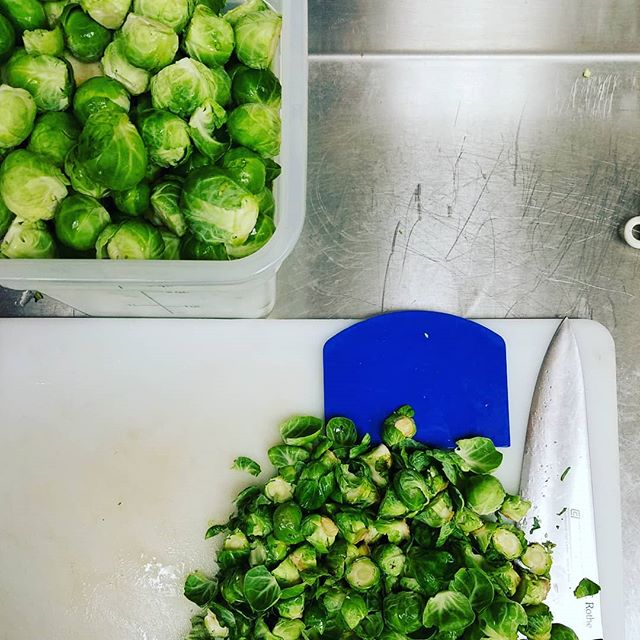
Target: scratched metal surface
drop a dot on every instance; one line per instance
(484, 185)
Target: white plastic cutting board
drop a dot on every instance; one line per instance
(116, 438)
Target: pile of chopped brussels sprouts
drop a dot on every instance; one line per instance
(142, 129)
(352, 540)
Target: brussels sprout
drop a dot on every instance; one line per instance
(30, 186)
(391, 559)
(194, 249)
(108, 13)
(285, 455)
(28, 239)
(7, 37)
(502, 619)
(165, 202)
(209, 38)
(468, 521)
(355, 488)
(505, 579)
(54, 10)
(479, 455)
(363, 574)
(18, 111)
(391, 506)
(397, 531)
(399, 426)
(292, 608)
(116, 65)
(202, 125)
(256, 127)
(25, 14)
(341, 430)
(86, 39)
(171, 246)
(448, 611)
(173, 13)
(515, 508)
(261, 589)
(333, 600)
(475, 585)
(100, 94)
(112, 151)
(46, 78)
(130, 240)
(249, 6)
(412, 489)
(586, 588)
(258, 524)
(276, 549)
(182, 87)
(304, 557)
(286, 573)
(220, 84)
(301, 431)
(403, 611)
(200, 589)
(287, 523)
(439, 511)
(44, 42)
(537, 559)
(54, 135)
(508, 541)
(232, 587)
(166, 137)
(539, 621)
(246, 168)
(147, 43)
(213, 627)
(79, 222)
(319, 531)
(135, 201)
(288, 629)
(315, 485)
(257, 38)
(82, 71)
(484, 494)
(560, 632)
(260, 235)
(256, 85)
(217, 209)
(80, 180)
(353, 610)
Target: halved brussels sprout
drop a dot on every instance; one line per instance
(80, 179)
(26, 14)
(46, 78)
(7, 37)
(166, 137)
(249, 6)
(54, 135)
(100, 94)
(116, 65)
(173, 13)
(18, 111)
(130, 240)
(218, 209)
(135, 201)
(260, 235)
(165, 202)
(28, 239)
(108, 13)
(147, 43)
(209, 38)
(246, 168)
(86, 39)
(257, 38)
(30, 186)
(171, 245)
(256, 85)
(182, 87)
(112, 151)
(79, 222)
(202, 129)
(256, 127)
(194, 249)
(44, 42)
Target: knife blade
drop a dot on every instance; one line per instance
(556, 478)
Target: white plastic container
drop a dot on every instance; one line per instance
(244, 288)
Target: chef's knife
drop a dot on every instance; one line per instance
(556, 478)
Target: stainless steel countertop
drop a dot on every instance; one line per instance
(462, 158)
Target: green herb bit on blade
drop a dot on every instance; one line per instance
(350, 539)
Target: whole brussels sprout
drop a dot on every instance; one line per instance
(173, 13)
(166, 137)
(135, 201)
(256, 85)
(246, 168)
(165, 202)
(7, 37)
(46, 78)
(256, 127)
(44, 42)
(80, 179)
(100, 94)
(26, 14)
(202, 128)
(54, 135)
(257, 38)
(209, 38)
(86, 39)
(260, 235)
(130, 240)
(112, 151)
(171, 245)
(28, 239)
(108, 13)
(18, 111)
(218, 209)
(182, 87)
(79, 222)
(30, 186)
(6, 218)
(116, 65)
(194, 249)
(249, 6)
(147, 43)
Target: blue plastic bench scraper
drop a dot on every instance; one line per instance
(452, 371)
